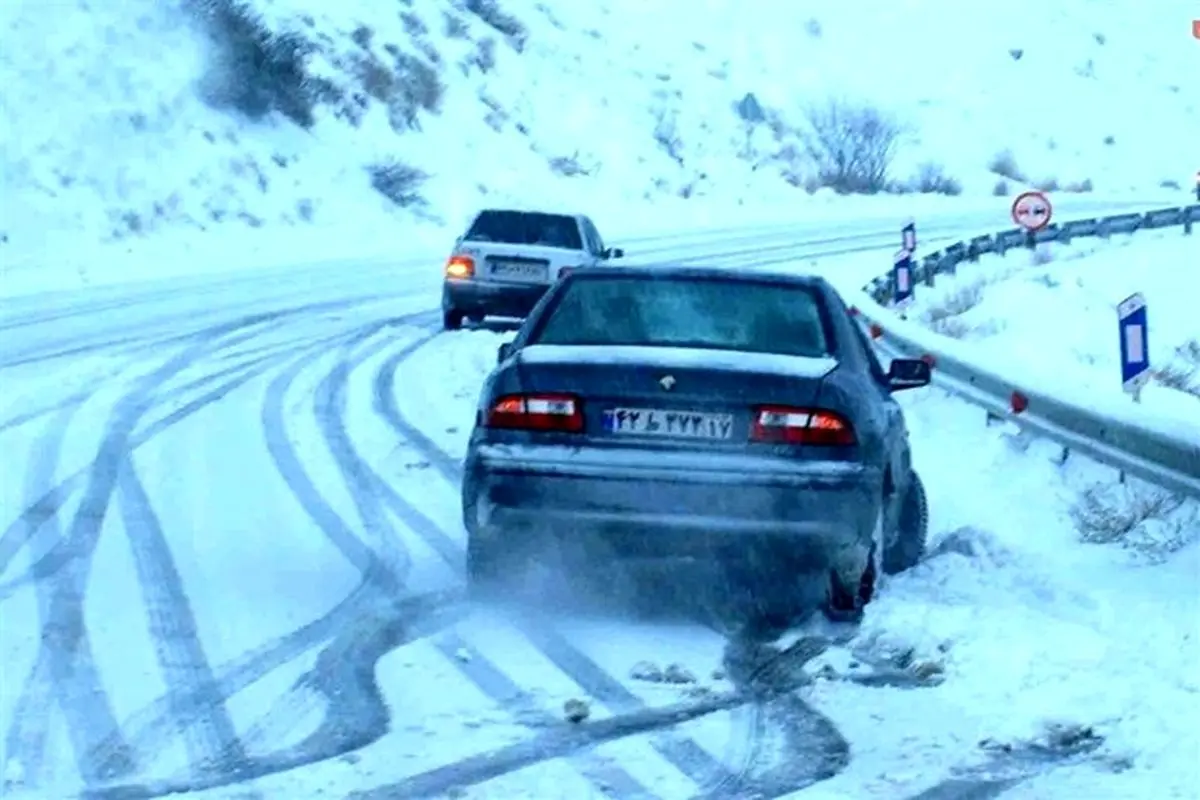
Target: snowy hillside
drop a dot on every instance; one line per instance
(368, 124)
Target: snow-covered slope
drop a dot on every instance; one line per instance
(614, 105)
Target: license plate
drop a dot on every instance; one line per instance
(520, 270)
(657, 422)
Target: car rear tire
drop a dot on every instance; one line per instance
(905, 549)
(452, 319)
(477, 319)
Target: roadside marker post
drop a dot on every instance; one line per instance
(908, 233)
(1135, 357)
(902, 283)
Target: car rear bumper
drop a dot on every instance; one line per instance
(491, 298)
(661, 504)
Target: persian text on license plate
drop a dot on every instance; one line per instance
(656, 422)
(520, 270)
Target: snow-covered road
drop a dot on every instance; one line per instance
(230, 565)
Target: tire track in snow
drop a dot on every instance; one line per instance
(17, 534)
(606, 775)
(211, 741)
(344, 673)
(25, 739)
(40, 519)
(65, 645)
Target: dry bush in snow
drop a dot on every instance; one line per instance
(252, 69)
(1146, 519)
(931, 178)
(1004, 164)
(943, 316)
(1182, 372)
(398, 182)
(851, 145)
(490, 13)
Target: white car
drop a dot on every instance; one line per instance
(507, 260)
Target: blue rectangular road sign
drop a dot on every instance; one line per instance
(1135, 357)
(902, 282)
(908, 237)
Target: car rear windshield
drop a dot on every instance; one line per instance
(756, 317)
(525, 227)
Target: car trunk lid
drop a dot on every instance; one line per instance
(680, 395)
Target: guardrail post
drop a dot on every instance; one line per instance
(972, 253)
(1001, 246)
(1031, 240)
(948, 265)
(1102, 229)
(929, 265)
(1063, 455)
(1187, 226)
(1064, 235)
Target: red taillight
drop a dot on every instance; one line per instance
(787, 425)
(537, 412)
(460, 267)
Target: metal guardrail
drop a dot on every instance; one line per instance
(1134, 447)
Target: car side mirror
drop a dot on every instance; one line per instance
(614, 252)
(908, 373)
(505, 352)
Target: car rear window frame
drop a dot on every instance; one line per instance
(833, 344)
(568, 219)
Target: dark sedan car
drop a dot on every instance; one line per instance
(660, 412)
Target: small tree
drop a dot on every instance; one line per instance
(852, 145)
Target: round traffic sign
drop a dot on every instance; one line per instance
(1032, 210)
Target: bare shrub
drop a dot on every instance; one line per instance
(1169, 184)
(666, 134)
(1004, 164)
(950, 327)
(1079, 187)
(851, 145)
(1144, 518)
(955, 303)
(398, 182)
(454, 27)
(1000, 188)
(1110, 140)
(253, 70)
(813, 27)
(484, 56)
(413, 24)
(931, 178)
(490, 13)
(410, 86)
(568, 166)
(1182, 373)
(1047, 185)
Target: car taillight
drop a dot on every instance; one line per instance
(787, 425)
(537, 412)
(460, 267)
